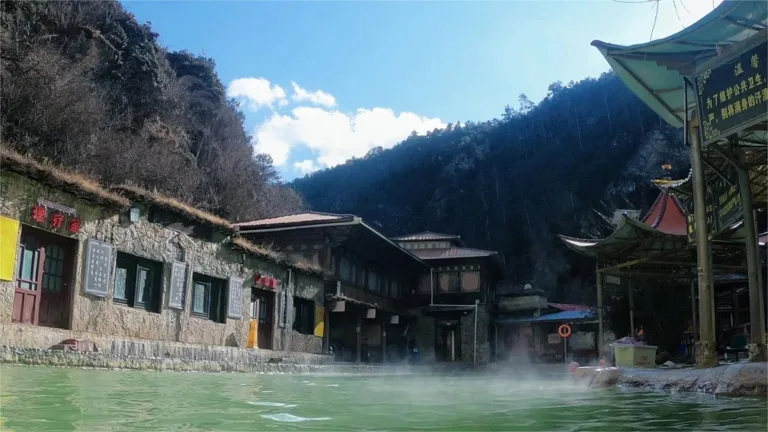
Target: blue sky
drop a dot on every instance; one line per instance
(369, 73)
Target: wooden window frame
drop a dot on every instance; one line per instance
(134, 265)
(217, 297)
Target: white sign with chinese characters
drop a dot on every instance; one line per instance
(178, 285)
(235, 307)
(98, 266)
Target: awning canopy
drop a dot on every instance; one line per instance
(654, 71)
(563, 317)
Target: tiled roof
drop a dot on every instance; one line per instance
(426, 235)
(454, 252)
(667, 215)
(562, 317)
(569, 307)
(297, 219)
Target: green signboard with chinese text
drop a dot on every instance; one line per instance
(722, 205)
(733, 94)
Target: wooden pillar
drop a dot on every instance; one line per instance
(694, 318)
(600, 334)
(706, 349)
(384, 340)
(359, 342)
(757, 325)
(760, 275)
(631, 289)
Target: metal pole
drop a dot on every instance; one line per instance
(431, 288)
(359, 340)
(757, 325)
(706, 351)
(631, 289)
(474, 351)
(384, 340)
(565, 350)
(599, 311)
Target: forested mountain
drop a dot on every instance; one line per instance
(513, 184)
(84, 84)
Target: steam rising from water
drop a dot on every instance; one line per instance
(510, 397)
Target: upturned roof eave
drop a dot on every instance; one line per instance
(660, 86)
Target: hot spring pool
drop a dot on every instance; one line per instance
(60, 399)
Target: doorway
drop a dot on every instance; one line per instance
(262, 307)
(42, 293)
(447, 341)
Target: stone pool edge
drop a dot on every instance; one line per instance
(97, 360)
(739, 379)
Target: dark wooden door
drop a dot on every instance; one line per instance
(55, 295)
(264, 303)
(447, 341)
(29, 275)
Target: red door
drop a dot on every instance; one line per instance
(29, 275)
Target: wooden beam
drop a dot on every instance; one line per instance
(646, 275)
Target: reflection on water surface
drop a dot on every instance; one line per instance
(58, 399)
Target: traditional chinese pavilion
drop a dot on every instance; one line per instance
(710, 80)
(653, 247)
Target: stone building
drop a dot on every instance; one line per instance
(81, 261)
(455, 299)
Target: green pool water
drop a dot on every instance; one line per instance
(59, 399)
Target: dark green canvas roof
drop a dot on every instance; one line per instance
(654, 71)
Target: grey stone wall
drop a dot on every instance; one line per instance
(306, 287)
(102, 316)
(468, 337)
(32, 338)
(423, 331)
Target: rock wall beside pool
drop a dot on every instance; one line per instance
(31, 340)
(737, 379)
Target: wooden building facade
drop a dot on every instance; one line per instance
(456, 298)
(369, 288)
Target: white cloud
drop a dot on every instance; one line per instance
(257, 92)
(306, 166)
(317, 97)
(335, 136)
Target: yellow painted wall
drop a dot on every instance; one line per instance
(9, 235)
